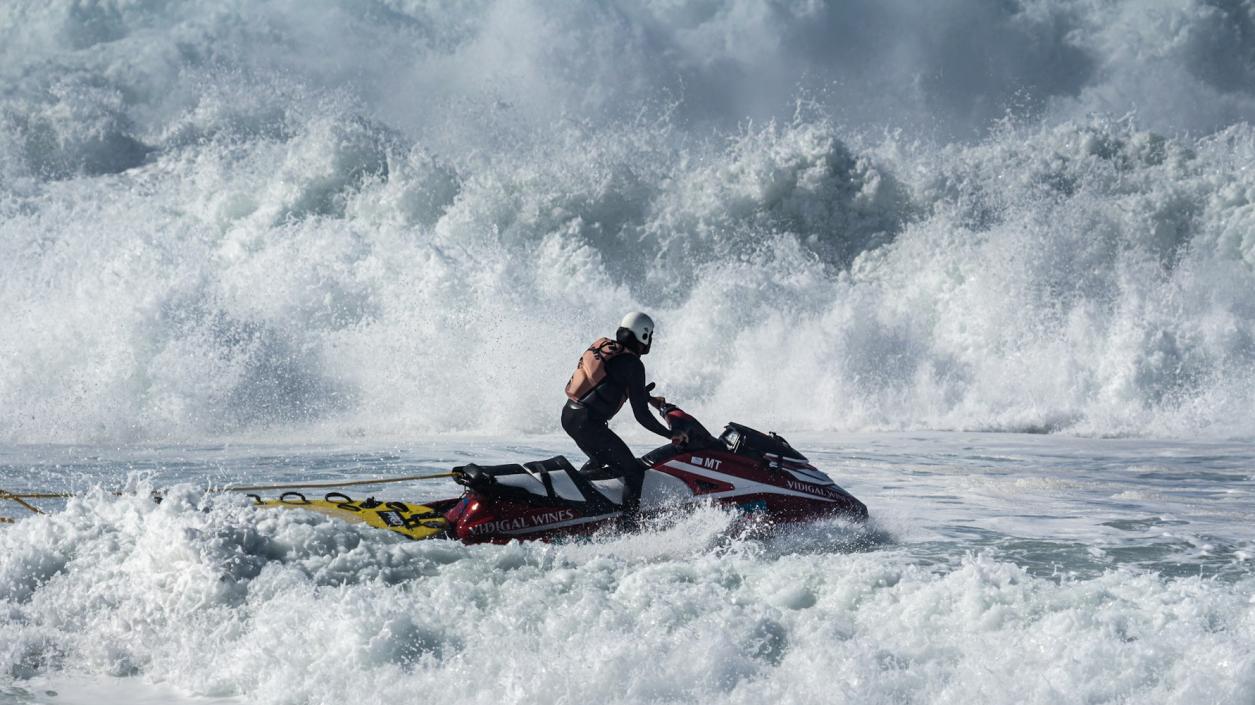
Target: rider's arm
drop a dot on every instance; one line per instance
(635, 379)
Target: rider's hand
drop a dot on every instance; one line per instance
(658, 401)
(679, 438)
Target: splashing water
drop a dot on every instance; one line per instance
(376, 218)
(269, 238)
(995, 569)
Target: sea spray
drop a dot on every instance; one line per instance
(218, 599)
(345, 219)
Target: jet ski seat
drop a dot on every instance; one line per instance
(540, 481)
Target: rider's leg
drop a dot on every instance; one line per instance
(602, 446)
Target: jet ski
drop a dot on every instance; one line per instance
(755, 472)
(758, 473)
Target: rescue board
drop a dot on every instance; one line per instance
(413, 521)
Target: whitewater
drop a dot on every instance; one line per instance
(990, 265)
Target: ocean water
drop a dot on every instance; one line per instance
(996, 568)
(991, 264)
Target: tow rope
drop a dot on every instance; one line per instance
(346, 483)
(20, 497)
(21, 500)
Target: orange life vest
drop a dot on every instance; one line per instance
(586, 385)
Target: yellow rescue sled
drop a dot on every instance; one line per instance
(413, 521)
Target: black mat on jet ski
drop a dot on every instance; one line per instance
(484, 479)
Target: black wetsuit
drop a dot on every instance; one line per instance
(586, 424)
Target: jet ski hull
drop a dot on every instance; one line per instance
(550, 499)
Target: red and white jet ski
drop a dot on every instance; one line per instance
(755, 472)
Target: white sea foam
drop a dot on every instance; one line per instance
(333, 219)
(996, 568)
(400, 217)
(218, 599)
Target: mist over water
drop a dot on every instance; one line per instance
(346, 218)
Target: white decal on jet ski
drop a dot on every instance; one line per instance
(711, 463)
(525, 524)
(742, 486)
(802, 471)
(817, 490)
(813, 477)
(561, 524)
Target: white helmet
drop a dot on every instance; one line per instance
(641, 327)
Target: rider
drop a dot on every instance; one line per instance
(609, 373)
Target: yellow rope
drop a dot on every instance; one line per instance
(21, 498)
(346, 483)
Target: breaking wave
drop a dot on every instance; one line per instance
(217, 599)
(375, 217)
